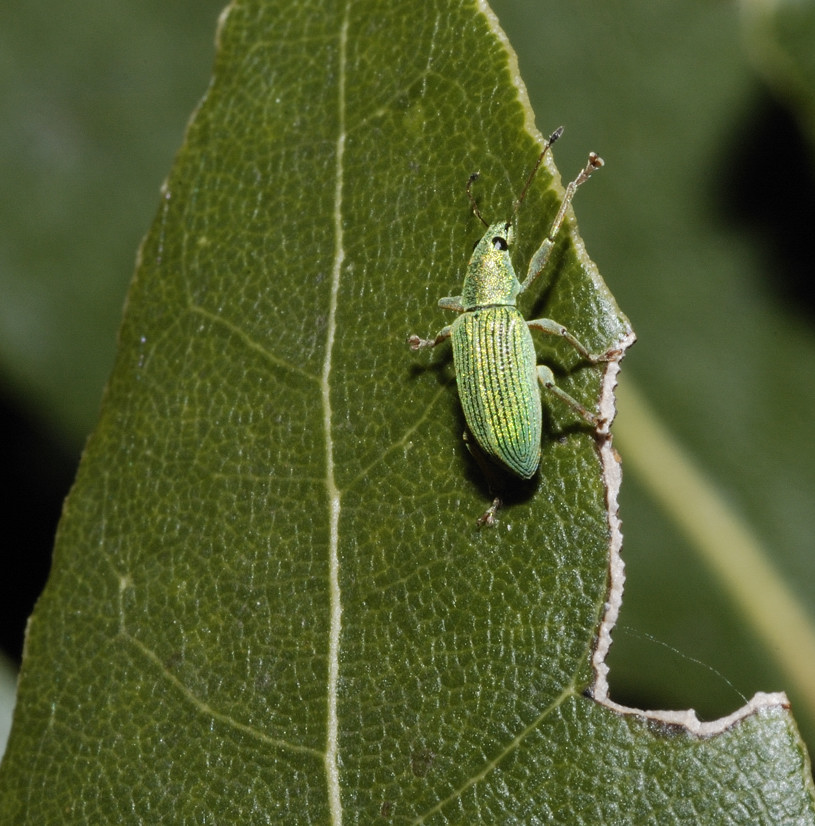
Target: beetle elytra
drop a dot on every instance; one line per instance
(493, 351)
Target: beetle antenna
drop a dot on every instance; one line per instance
(473, 204)
(550, 140)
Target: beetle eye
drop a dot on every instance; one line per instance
(499, 243)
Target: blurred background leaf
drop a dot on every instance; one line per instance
(699, 225)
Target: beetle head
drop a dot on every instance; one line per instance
(490, 277)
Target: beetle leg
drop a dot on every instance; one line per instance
(540, 258)
(547, 379)
(452, 302)
(417, 343)
(552, 328)
(488, 517)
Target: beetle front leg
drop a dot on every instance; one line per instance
(547, 379)
(552, 328)
(417, 343)
(540, 258)
(452, 302)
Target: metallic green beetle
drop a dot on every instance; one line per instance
(493, 352)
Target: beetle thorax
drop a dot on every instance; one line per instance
(490, 278)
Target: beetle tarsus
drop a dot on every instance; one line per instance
(612, 354)
(488, 517)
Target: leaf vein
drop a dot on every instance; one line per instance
(491, 765)
(335, 598)
(251, 343)
(207, 709)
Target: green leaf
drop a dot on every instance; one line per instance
(269, 600)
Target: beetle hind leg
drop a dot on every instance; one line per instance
(488, 517)
(547, 379)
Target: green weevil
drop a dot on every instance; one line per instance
(493, 351)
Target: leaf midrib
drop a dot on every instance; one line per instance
(333, 493)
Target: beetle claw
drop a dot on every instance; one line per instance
(488, 517)
(612, 354)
